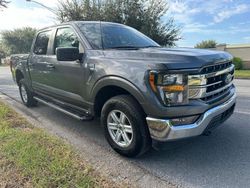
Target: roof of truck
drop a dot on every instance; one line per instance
(75, 22)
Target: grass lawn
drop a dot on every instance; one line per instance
(29, 157)
(242, 74)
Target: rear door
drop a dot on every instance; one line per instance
(39, 66)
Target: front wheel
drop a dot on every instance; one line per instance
(125, 126)
(26, 95)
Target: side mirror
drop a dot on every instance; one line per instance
(67, 54)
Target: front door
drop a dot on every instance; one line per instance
(68, 77)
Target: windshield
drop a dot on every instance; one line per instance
(114, 36)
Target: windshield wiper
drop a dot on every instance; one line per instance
(151, 46)
(124, 47)
(133, 47)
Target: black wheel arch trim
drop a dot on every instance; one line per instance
(21, 67)
(117, 82)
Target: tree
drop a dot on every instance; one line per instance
(165, 33)
(143, 15)
(206, 44)
(238, 63)
(2, 53)
(3, 3)
(18, 40)
(70, 10)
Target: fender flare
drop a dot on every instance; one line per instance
(18, 68)
(117, 82)
(21, 67)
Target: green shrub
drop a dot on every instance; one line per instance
(238, 63)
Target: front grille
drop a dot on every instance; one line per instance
(214, 83)
(217, 82)
(220, 94)
(219, 119)
(214, 68)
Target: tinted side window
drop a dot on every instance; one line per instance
(65, 37)
(41, 44)
(92, 32)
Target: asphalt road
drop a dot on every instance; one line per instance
(219, 160)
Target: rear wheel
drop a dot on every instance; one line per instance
(26, 95)
(125, 126)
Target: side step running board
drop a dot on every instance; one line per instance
(79, 117)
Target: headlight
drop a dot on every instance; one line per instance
(171, 88)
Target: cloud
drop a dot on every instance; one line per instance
(204, 29)
(201, 20)
(16, 17)
(247, 39)
(182, 11)
(178, 7)
(187, 11)
(193, 27)
(225, 14)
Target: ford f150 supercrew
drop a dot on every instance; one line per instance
(140, 90)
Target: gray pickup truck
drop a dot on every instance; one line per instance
(140, 90)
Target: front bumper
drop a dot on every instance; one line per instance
(162, 130)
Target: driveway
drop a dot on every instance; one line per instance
(219, 160)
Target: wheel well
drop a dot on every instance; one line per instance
(105, 94)
(19, 76)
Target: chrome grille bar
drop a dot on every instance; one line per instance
(218, 90)
(211, 83)
(204, 86)
(213, 74)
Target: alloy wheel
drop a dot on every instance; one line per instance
(120, 128)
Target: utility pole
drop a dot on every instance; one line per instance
(48, 8)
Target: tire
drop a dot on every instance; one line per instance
(26, 95)
(133, 124)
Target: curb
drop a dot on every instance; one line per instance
(241, 78)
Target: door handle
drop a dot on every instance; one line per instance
(51, 66)
(91, 67)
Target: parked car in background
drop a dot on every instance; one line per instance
(140, 90)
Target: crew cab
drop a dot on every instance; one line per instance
(140, 90)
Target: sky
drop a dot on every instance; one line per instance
(226, 21)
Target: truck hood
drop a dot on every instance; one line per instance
(170, 58)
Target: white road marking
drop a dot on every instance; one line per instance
(242, 112)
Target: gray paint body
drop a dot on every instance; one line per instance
(74, 82)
